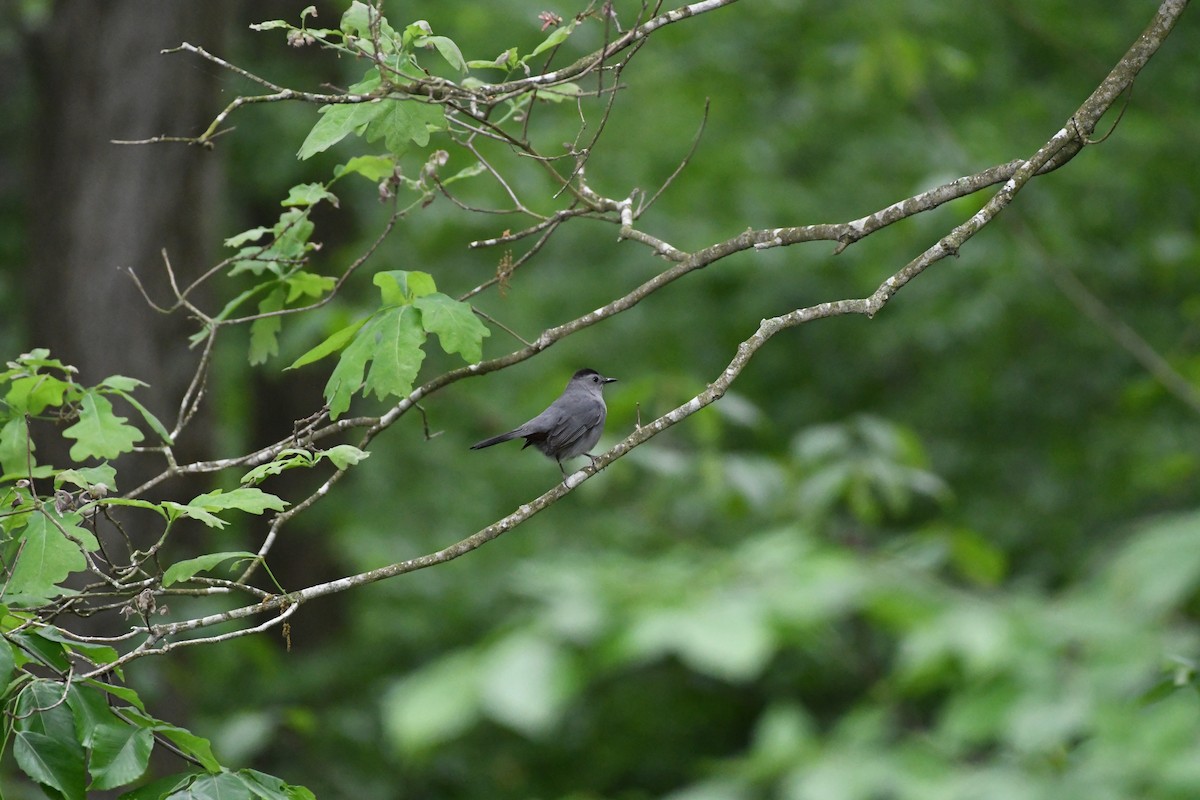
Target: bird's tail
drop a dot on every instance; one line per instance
(504, 437)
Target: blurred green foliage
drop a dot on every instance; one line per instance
(950, 552)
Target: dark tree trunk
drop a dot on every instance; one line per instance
(98, 208)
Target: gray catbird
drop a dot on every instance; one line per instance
(570, 426)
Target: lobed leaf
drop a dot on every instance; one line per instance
(287, 459)
(251, 500)
(306, 283)
(264, 331)
(47, 557)
(252, 235)
(176, 510)
(309, 194)
(404, 121)
(457, 328)
(34, 393)
(396, 354)
(87, 476)
(399, 287)
(99, 433)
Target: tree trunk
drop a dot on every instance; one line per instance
(98, 208)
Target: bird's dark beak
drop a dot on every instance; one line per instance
(610, 380)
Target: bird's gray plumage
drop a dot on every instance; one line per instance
(570, 426)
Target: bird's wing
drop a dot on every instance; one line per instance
(569, 430)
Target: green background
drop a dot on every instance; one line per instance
(949, 552)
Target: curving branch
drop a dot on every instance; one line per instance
(1056, 151)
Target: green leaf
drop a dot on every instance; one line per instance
(198, 747)
(195, 746)
(1159, 567)
(415, 30)
(457, 328)
(264, 332)
(556, 37)
(268, 787)
(252, 235)
(253, 501)
(37, 358)
(292, 232)
(391, 341)
(255, 261)
(169, 786)
(268, 25)
(97, 653)
(184, 570)
(7, 662)
(16, 448)
(308, 194)
(91, 711)
(287, 459)
(559, 92)
(344, 455)
(331, 345)
(306, 283)
(373, 168)
(398, 287)
(279, 257)
(221, 786)
(99, 433)
(505, 61)
(396, 354)
(469, 171)
(977, 558)
(176, 510)
(47, 557)
(134, 503)
(40, 708)
(120, 754)
(432, 705)
(347, 376)
(447, 48)
(526, 683)
(404, 121)
(83, 477)
(356, 20)
(725, 637)
(45, 743)
(32, 394)
(121, 692)
(337, 122)
(51, 761)
(46, 652)
(121, 384)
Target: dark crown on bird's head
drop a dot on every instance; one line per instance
(592, 375)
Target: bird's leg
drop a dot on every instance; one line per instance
(561, 468)
(593, 458)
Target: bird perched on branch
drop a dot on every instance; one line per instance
(570, 426)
